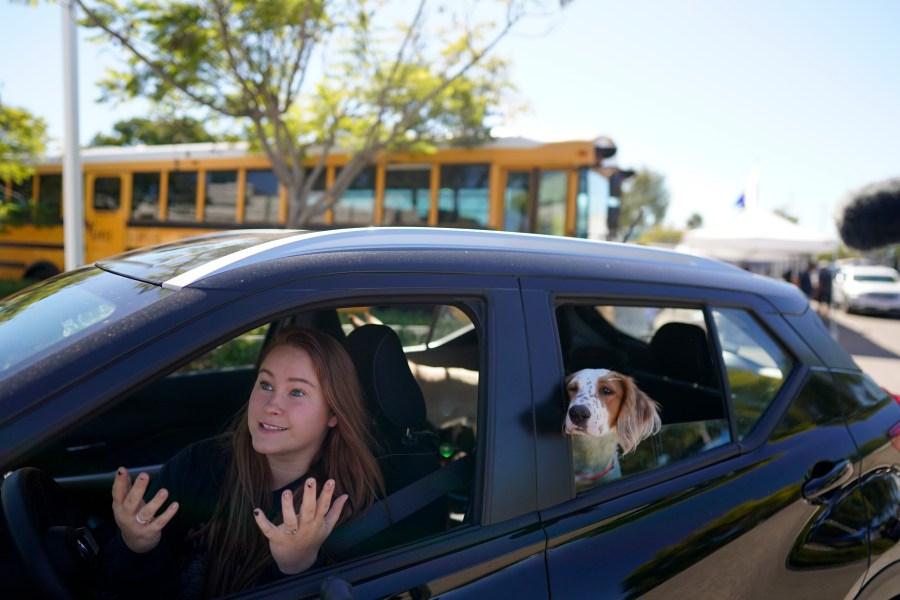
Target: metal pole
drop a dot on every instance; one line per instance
(73, 205)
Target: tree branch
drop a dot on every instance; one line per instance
(160, 72)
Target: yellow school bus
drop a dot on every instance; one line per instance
(137, 196)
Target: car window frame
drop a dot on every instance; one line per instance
(541, 297)
(492, 519)
(714, 349)
(505, 499)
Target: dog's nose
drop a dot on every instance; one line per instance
(579, 414)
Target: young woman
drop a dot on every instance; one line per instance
(233, 512)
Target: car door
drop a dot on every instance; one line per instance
(874, 420)
(499, 549)
(757, 498)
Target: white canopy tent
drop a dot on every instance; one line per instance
(756, 235)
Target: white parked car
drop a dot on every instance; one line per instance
(867, 288)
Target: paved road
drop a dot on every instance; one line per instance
(874, 342)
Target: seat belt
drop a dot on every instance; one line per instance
(400, 505)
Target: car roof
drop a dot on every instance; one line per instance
(869, 269)
(216, 253)
(190, 262)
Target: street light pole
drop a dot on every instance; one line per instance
(73, 206)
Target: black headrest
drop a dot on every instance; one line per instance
(595, 357)
(681, 351)
(391, 390)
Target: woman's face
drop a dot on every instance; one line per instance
(287, 415)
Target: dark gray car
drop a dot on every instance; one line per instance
(774, 475)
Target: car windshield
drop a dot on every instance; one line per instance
(59, 311)
(166, 261)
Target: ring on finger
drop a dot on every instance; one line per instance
(292, 531)
(142, 521)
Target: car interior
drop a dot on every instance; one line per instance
(666, 351)
(419, 369)
(674, 367)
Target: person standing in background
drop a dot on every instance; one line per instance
(804, 281)
(823, 291)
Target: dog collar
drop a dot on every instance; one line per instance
(597, 475)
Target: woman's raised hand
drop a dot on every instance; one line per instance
(296, 542)
(140, 527)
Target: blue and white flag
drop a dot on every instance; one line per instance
(749, 198)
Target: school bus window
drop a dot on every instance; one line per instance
(357, 206)
(582, 206)
(50, 194)
(407, 195)
(591, 205)
(221, 197)
(532, 194)
(261, 199)
(515, 202)
(182, 196)
(145, 196)
(463, 197)
(552, 203)
(23, 191)
(318, 188)
(107, 193)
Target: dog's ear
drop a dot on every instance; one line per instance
(638, 417)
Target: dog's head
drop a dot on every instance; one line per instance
(602, 401)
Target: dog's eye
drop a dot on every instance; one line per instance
(572, 387)
(606, 391)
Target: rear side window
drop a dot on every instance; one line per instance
(698, 367)
(667, 354)
(756, 365)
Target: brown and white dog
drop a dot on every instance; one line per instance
(606, 410)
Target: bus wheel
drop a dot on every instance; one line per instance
(40, 271)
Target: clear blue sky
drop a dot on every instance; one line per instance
(700, 91)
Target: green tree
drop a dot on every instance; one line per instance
(658, 234)
(23, 138)
(312, 77)
(155, 131)
(645, 201)
(695, 221)
(784, 214)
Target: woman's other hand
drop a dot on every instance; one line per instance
(140, 527)
(296, 542)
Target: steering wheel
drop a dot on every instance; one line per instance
(56, 546)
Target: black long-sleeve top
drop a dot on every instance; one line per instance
(175, 567)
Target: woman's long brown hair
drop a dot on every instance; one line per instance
(238, 553)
